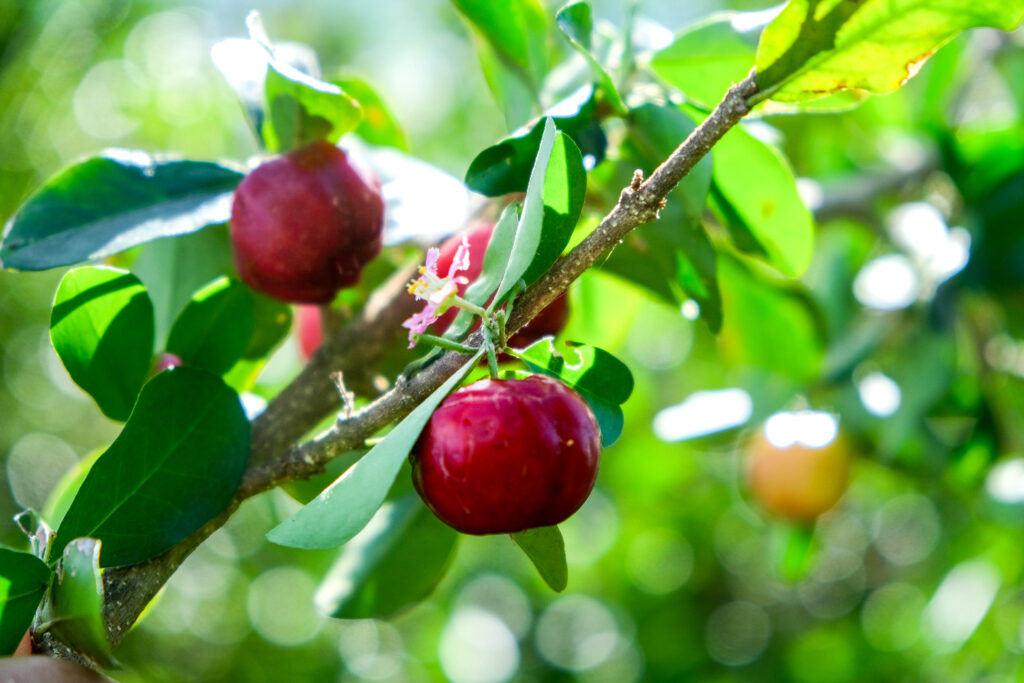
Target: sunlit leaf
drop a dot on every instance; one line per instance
(102, 329)
(761, 200)
(107, 204)
(818, 47)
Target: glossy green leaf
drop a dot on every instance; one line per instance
(173, 269)
(546, 550)
(516, 30)
(215, 328)
(107, 204)
(378, 126)
(600, 378)
(23, 580)
(505, 167)
(64, 492)
(393, 563)
(577, 24)
(300, 109)
(761, 193)
(175, 466)
(767, 325)
(531, 220)
(495, 259)
(346, 506)
(102, 329)
(75, 609)
(673, 256)
(706, 59)
(818, 47)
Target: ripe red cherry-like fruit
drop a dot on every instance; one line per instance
(551, 320)
(501, 456)
(304, 224)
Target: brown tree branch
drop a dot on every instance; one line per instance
(303, 403)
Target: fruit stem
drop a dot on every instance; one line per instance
(444, 343)
(465, 305)
(492, 358)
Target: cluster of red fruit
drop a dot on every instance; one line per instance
(498, 455)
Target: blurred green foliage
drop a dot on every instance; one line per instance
(675, 574)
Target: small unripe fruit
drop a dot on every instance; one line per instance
(549, 321)
(303, 225)
(796, 480)
(166, 361)
(501, 456)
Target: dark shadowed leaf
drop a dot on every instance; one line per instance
(175, 466)
(546, 550)
(23, 580)
(393, 563)
(813, 48)
(102, 329)
(215, 328)
(346, 506)
(505, 167)
(107, 204)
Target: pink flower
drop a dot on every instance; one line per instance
(439, 292)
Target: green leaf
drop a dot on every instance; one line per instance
(817, 47)
(705, 59)
(546, 550)
(173, 269)
(102, 329)
(214, 330)
(531, 222)
(495, 259)
(505, 167)
(577, 24)
(23, 580)
(673, 256)
(300, 109)
(272, 320)
(378, 126)
(346, 506)
(759, 188)
(394, 562)
(75, 610)
(767, 325)
(174, 467)
(107, 204)
(600, 378)
(517, 32)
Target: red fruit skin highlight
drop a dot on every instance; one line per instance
(310, 330)
(303, 225)
(549, 321)
(501, 456)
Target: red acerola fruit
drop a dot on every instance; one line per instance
(501, 456)
(304, 224)
(549, 321)
(310, 330)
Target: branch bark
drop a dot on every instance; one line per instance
(313, 394)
